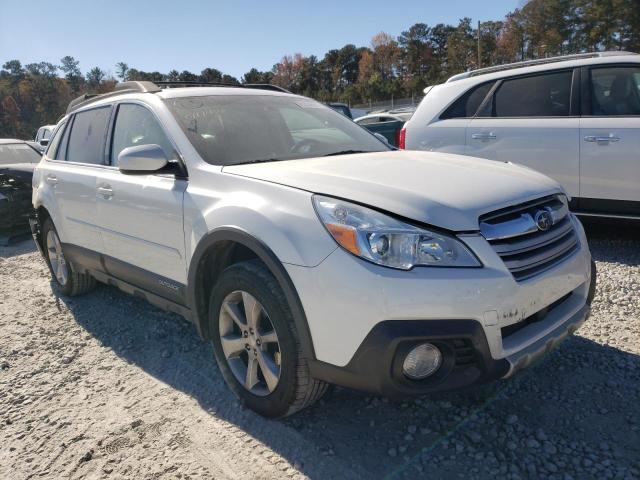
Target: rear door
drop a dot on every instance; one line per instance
(71, 172)
(447, 132)
(610, 140)
(532, 120)
(140, 215)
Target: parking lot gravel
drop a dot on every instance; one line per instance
(107, 386)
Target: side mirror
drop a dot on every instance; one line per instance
(44, 142)
(142, 159)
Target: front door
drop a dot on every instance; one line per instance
(529, 120)
(141, 214)
(610, 141)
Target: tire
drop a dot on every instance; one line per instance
(295, 388)
(71, 282)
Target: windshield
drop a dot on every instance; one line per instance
(234, 129)
(17, 153)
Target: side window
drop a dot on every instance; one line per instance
(615, 91)
(86, 140)
(61, 152)
(136, 125)
(547, 95)
(467, 105)
(55, 141)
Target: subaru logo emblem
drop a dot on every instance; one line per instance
(544, 220)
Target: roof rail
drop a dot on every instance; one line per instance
(123, 87)
(538, 61)
(154, 87)
(260, 86)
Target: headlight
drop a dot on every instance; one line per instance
(386, 241)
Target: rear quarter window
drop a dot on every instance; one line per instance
(467, 105)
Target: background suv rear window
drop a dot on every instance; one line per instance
(467, 105)
(546, 95)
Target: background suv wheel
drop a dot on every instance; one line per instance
(256, 344)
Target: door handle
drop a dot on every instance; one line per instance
(105, 191)
(602, 140)
(51, 179)
(483, 136)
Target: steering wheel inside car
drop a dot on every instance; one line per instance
(304, 146)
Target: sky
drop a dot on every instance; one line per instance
(233, 37)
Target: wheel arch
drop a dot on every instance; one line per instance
(223, 247)
(42, 214)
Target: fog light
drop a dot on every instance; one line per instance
(422, 361)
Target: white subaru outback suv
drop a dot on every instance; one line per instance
(305, 249)
(575, 118)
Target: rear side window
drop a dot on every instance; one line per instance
(615, 91)
(86, 141)
(467, 105)
(53, 145)
(135, 125)
(547, 95)
(61, 152)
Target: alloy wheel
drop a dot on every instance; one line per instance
(58, 263)
(250, 343)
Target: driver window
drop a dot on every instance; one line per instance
(136, 125)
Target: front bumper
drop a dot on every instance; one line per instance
(377, 365)
(364, 318)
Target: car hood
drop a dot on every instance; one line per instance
(444, 190)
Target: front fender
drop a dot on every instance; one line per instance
(282, 218)
(196, 298)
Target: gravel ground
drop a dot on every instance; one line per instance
(106, 386)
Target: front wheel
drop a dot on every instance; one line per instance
(256, 343)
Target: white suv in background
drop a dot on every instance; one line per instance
(575, 118)
(307, 250)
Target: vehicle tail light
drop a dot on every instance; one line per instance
(401, 138)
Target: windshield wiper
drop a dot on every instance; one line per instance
(258, 160)
(344, 152)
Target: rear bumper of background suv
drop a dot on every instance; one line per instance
(364, 319)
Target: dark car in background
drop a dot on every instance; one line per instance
(17, 161)
(387, 123)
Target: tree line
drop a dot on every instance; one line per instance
(38, 93)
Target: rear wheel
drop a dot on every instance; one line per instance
(67, 280)
(256, 343)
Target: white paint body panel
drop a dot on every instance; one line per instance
(141, 222)
(548, 145)
(435, 188)
(610, 170)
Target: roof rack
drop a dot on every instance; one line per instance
(538, 61)
(154, 87)
(122, 87)
(180, 84)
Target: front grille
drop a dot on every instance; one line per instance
(525, 248)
